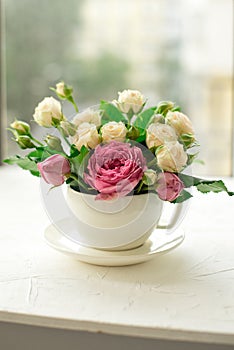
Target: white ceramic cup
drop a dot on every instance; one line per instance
(118, 224)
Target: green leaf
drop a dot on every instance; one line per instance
(188, 140)
(188, 180)
(42, 153)
(11, 160)
(24, 163)
(83, 152)
(37, 154)
(78, 162)
(143, 118)
(213, 186)
(205, 186)
(35, 173)
(70, 180)
(73, 151)
(199, 161)
(176, 109)
(184, 195)
(111, 113)
(142, 136)
(192, 158)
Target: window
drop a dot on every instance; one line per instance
(179, 50)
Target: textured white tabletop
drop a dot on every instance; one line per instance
(187, 294)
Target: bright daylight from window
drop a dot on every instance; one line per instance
(102, 47)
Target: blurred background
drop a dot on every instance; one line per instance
(179, 50)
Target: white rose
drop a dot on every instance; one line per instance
(157, 134)
(180, 122)
(130, 100)
(87, 136)
(171, 157)
(88, 116)
(46, 110)
(60, 88)
(114, 131)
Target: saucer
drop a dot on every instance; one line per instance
(157, 244)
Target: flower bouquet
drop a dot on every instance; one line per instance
(116, 151)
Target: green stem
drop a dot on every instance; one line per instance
(75, 106)
(35, 140)
(67, 142)
(71, 99)
(64, 137)
(140, 186)
(129, 116)
(74, 177)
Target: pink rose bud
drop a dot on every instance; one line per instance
(53, 169)
(169, 186)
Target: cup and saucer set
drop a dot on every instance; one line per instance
(125, 231)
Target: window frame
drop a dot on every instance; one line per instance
(232, 131)
(3, 138)
(1, 92)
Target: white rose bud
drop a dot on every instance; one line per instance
(60, 89)
(164, 106)
(149, 177)
(88, 116)
(68, 129)
(171, 157)
(21, 127)
(87, 136)
(48, 110)
(114, 131)
(54, 142)
(25, 142)
(130, 101)
(180, 122)
(157, 134)
(156, 118)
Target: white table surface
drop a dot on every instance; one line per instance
(187, 294)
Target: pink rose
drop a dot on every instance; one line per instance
(54, 168)
(114, 169)
(169, 186)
